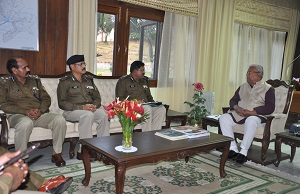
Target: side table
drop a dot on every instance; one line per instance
(212, 120)
(288, 139)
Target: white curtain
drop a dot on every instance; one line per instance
(253, 45)
(214, 43)
(82, 31)
(177, 60)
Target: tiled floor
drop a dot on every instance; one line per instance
(42, 158)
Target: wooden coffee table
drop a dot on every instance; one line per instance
(151, 148)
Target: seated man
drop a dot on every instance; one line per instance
(26, 102)
(250, 101)
(14, 175)
(81, 101)
(136, 86)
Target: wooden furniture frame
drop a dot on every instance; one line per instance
(151, 148)
(288, 139)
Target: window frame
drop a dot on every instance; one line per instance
(123, 12)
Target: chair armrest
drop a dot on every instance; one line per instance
(4, 130)
(225, 109)
(279, 116)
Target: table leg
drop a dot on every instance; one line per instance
(120, 170)
(278, 150)
(223, 160)
(87, 166)
(293, 151)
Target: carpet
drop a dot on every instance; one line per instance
(199, 175)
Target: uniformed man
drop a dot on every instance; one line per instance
(27, 103)
(80, 99)
(136, 86)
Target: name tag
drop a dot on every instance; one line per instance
(74, 87)
(132, 86)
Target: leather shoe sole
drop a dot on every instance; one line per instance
(58, 160)
(241, 159)
(232, 154)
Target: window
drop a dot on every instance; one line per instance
(126, 33)
(255, 45)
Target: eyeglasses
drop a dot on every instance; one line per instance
(251, 72)
(80, 64)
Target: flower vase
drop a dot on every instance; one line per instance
(127, 137)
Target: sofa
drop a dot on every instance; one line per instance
(106, 86)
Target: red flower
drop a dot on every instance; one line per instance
(127, 111)
(198, 86)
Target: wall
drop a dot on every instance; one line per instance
(53, 36)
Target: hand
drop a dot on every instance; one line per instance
(239, 110)
(18, 171)
(248, 113)
(89, 107)
(33, 114)
(8, 156)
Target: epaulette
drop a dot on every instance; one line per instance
(64, 78)
(5, 78)
(34, 77)
(88, 76)
(124, 76)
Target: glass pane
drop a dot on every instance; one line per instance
(105, 43)
(142, 43)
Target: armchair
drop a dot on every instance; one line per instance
(275, 122)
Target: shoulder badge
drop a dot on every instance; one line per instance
(34, 77)
(124, 77)
(88, 76)
(5, 78)
(64, 78)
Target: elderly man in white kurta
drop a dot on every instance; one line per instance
(250, 102)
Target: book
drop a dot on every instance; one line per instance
(172, 134)
(152, 103)
(192, 132)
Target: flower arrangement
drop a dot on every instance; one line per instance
(130, 113)
(198, 110)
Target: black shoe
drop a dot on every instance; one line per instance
(232, 154)
(241, 159)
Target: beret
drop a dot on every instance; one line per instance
(75, 59)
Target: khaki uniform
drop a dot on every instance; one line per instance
(16, 98)
(128, 87)
(72, 95)
(33, 180)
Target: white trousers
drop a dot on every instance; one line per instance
(156, 117)
(250, 126)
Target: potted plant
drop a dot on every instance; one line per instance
(198, 110)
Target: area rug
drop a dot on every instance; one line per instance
(199, 175)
